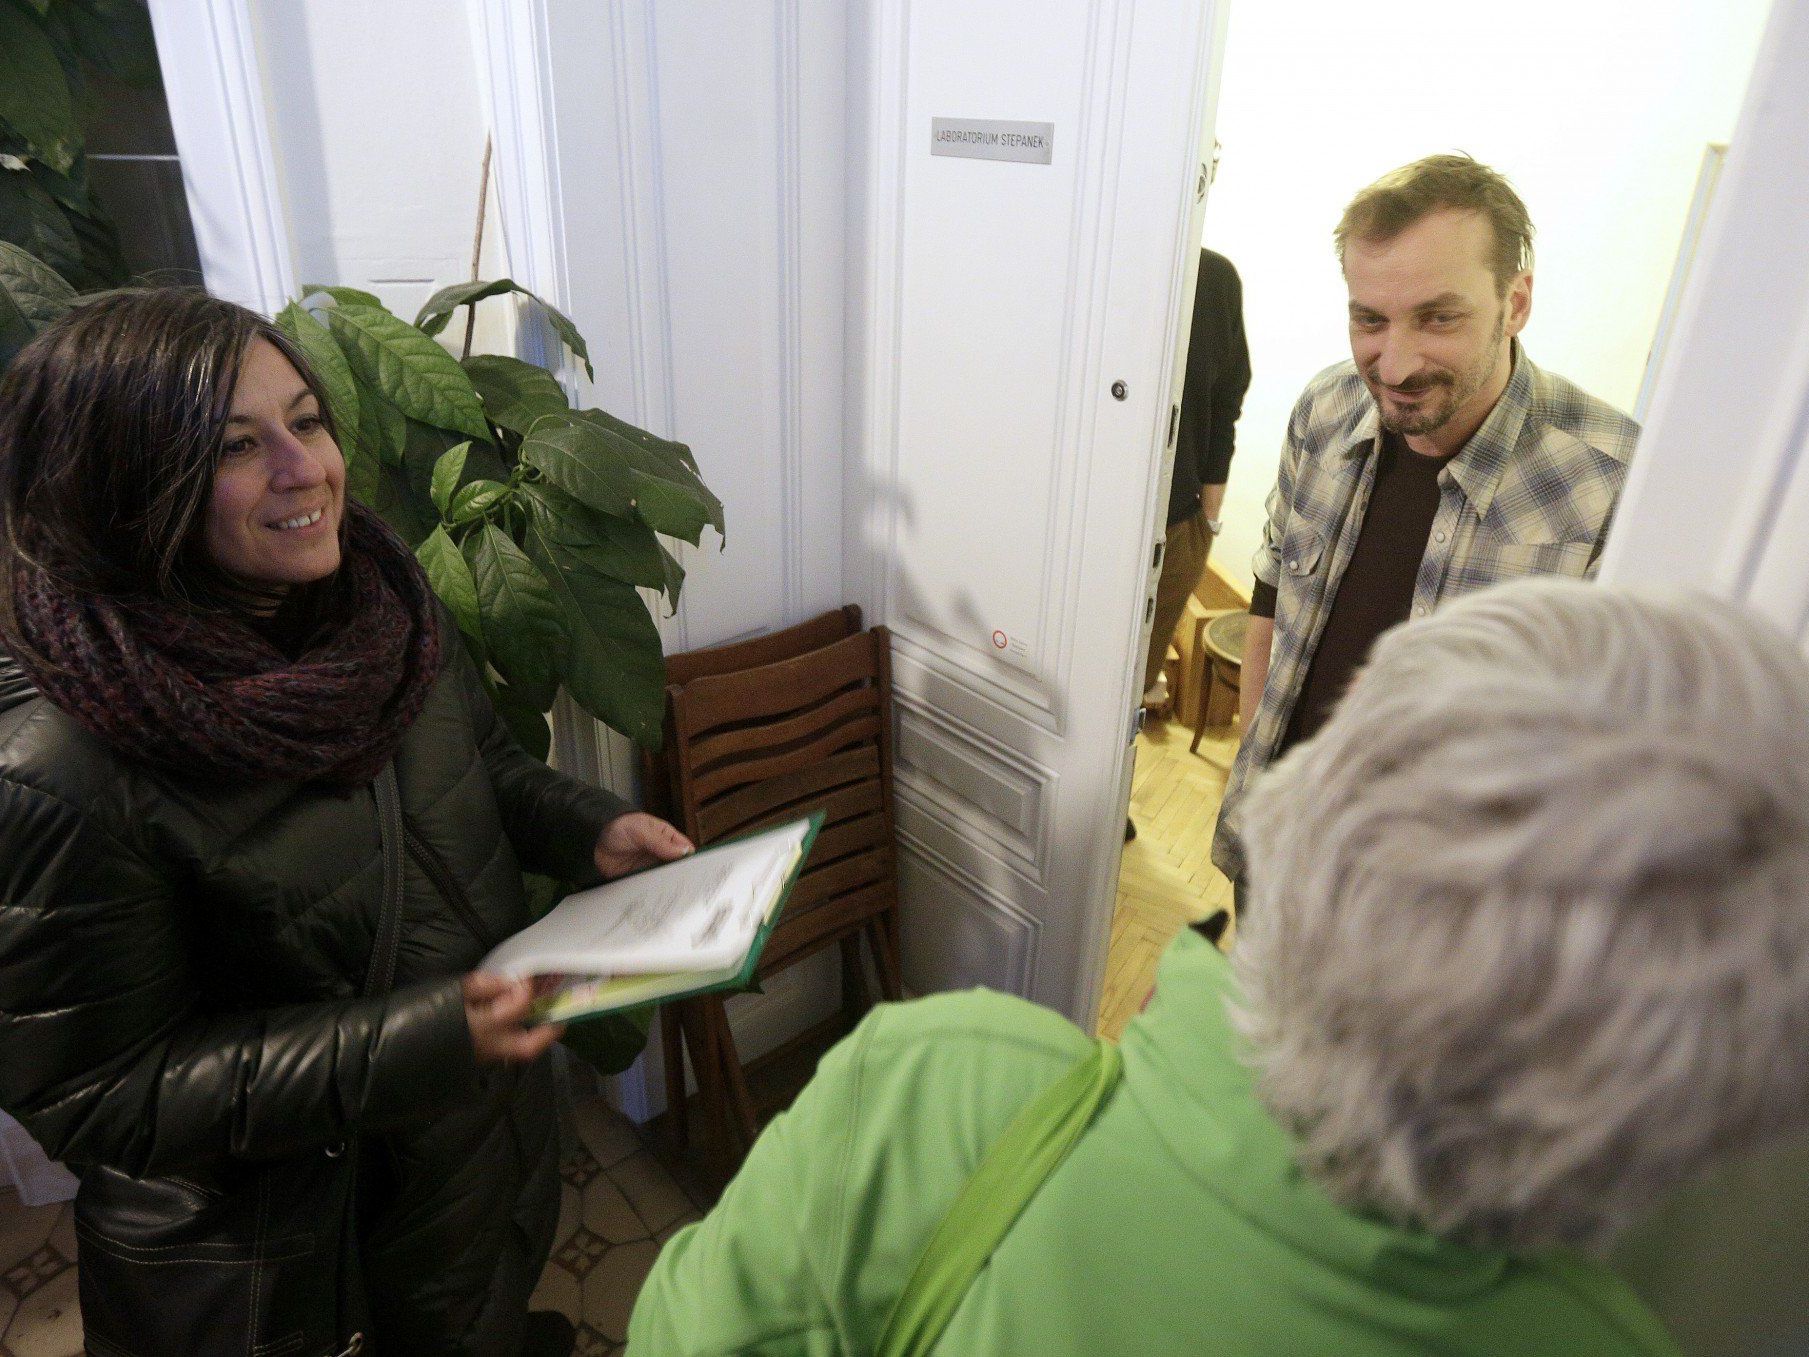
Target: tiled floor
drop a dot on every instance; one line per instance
(617, 1206)
(1166, 879)
(38, 1316)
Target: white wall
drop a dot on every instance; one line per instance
(1597, 111)
(673, 171)
(377, 122)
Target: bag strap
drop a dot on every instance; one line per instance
(389, 923)
(1019, 1162)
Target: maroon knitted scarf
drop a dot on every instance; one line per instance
(206, 693)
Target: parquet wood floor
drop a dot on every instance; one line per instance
(1166, 879)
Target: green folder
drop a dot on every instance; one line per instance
(580, 999)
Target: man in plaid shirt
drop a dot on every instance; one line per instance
(1436, 462)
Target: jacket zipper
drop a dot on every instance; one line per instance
(447, 884)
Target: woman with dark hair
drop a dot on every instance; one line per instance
(258, 821)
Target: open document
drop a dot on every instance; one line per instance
(682, 928)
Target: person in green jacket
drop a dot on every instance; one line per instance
(1528, 952)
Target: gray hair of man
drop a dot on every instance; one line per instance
(1528, 941)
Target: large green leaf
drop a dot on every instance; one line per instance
(615, 669)
(668, 493)
(31, 296)
(34, 92)
(446, 474)
(439, 308)
(621, 548)
(674, 576)
(329, 364)
(574, 456)
(417, 376)
(476, 500)
(382, 429)
(514, 393)
(33, 220)
(32, 286)
(452, 581)
(522, 622)
(342, 296)
(363, 474)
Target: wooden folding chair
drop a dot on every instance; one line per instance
(754, 746)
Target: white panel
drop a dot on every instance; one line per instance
(974, 784)
(959, 933)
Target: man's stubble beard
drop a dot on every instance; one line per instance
(1457, 392)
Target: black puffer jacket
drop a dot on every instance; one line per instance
(180, 1021)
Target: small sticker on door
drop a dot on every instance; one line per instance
(1009, 645)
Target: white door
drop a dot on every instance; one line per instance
(1718, 497)
(1013, 330)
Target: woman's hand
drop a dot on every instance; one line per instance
(496, 1010)
(635, 840)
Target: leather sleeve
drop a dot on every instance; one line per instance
(552, 820)
(108, 1056)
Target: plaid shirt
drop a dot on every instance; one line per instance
(1531, 493)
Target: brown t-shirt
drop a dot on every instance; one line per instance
(1376, 590)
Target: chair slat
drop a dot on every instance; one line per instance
(782, 734)
(772, 689)
(861, 800)
(788, 795)
(856, 835)
(825, 883)
(743, 771)
(819, 631)
(819, 926)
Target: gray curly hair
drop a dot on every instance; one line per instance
(1528, 942)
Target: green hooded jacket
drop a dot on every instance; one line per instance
(1179, 1224)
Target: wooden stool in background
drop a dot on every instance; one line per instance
(1221, 668)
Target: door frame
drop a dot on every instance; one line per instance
(207, 51)
(1742, 327)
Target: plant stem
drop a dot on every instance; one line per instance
(477, 244)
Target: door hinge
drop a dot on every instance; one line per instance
(1138, 717)
(1174, 423)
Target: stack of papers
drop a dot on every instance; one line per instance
(692, 926)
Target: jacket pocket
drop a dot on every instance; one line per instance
(241, 1259)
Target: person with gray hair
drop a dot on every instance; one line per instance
(1529, 952)
(1530, 947)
